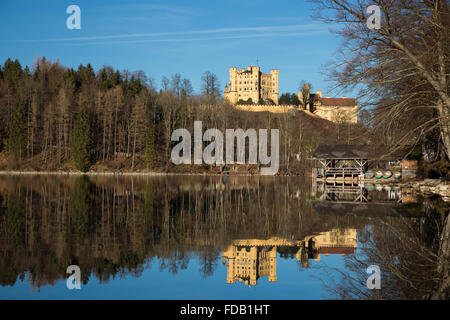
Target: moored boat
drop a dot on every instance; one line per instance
(397, 175)
(387, 174)
(378, 175)
(369, 174)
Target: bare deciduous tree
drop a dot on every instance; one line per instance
(406, 59)
(210, 87)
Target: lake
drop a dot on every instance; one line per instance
(214, 237)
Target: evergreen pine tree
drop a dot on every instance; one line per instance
(17, 138)
(81, 141)
(81, 207)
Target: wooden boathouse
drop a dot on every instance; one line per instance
(341, 163)
(348, 164)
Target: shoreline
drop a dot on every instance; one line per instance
(429, 187)
(99, 173)
(79, 173)
(426, 187)
(130, 173)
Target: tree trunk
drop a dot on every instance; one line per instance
(134, 147)
(444, 122)
(443, 259)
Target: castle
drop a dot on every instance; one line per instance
(262, 89)
(334, 109)
(251, 83)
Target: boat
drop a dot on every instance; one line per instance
(387, 174)
(369, 174)
(397, 175)
(378, 175)
(379, 187)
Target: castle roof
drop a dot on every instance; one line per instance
(338, 102)
(333, 102)
(337, 250)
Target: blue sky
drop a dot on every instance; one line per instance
(293, 283)
(176, 36)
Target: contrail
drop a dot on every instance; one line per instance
(244, 36)
(309, 27)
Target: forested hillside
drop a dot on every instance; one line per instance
(58, 118)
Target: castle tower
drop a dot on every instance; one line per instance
(273, 265)
(253, 259)
(274, 85)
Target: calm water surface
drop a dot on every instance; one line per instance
(190, 237)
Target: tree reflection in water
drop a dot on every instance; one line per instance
(115, 226)
(412, 253)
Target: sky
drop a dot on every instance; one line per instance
(293, 283)
(166, 37)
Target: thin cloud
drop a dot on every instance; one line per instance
(244, 36)
(172, 9)
(179, 10)
(305, 27)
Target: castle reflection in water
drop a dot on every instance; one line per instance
(250, 259)
(112, 226)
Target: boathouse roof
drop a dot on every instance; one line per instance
(365, 209)
(341, 151)
(358, 152)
